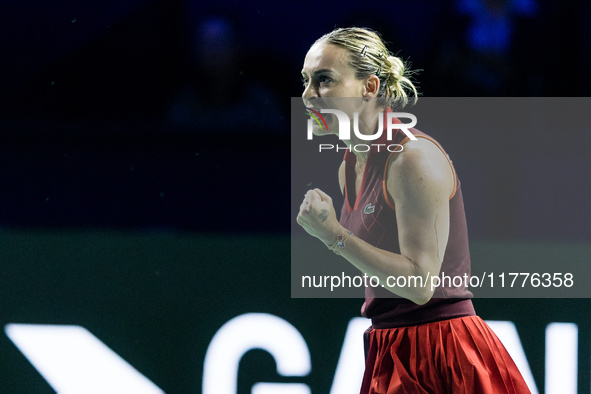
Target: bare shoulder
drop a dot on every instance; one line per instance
(342, 177)
(422, 165)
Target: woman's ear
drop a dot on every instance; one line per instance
(371, 86)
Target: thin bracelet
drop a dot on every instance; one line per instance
(340, 242)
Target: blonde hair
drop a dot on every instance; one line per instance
(369, 56)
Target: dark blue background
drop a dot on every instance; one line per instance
(89, 157)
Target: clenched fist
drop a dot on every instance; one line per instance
(317, 216)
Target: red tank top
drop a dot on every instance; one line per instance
(372, 218)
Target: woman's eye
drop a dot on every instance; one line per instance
(322, 80)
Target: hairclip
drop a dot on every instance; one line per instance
(363, 50)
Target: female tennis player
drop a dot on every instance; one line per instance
(402, 216)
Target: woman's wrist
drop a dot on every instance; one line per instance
(330, 235)
(338, 240)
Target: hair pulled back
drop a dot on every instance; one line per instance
(368, 55)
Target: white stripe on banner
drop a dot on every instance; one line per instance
(74, 361)
(561, 358)
(507, 333)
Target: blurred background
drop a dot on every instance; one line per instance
(145, 161)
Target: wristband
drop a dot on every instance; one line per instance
(340, 242)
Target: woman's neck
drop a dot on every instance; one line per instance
(368, 125)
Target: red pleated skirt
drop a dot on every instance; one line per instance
(460, 355)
